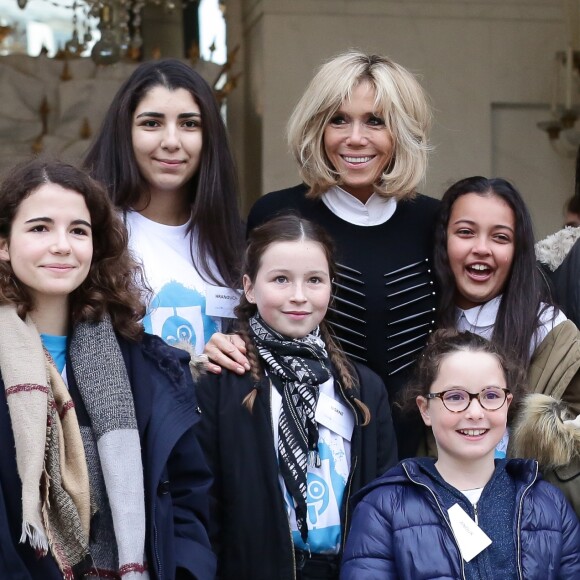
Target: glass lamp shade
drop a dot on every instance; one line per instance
(107, 50)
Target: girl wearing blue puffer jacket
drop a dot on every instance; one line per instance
(464, 515)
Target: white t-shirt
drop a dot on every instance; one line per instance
(177, 309)
(472, 495)
(325, 484)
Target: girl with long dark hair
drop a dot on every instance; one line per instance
(490, 283)
(163, 155)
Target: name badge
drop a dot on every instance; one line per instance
(335, 416)
(221, 301)
(471, 538)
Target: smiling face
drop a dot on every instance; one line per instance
(470, 435)
(358, 143)
(167, 139)
(480, 247)
(292, 287)
(50, 247)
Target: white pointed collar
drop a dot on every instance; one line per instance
(376, 211)
(481, 316)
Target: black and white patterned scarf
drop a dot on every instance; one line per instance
(296, 368)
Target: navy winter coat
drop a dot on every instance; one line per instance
(249, 528)
(176, 476)
(400, 529)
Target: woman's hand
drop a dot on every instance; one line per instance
(226, 351)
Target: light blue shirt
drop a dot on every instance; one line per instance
(56, 347)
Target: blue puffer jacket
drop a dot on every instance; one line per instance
(400, 529)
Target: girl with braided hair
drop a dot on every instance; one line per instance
(289, 441)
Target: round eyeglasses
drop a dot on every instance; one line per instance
(457, 400)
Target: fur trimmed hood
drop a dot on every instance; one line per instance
(547, 431)
(197, 362)
(552, 250)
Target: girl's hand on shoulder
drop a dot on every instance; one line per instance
(226, 351)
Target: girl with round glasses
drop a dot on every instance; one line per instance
(458, 400)
(414, 521)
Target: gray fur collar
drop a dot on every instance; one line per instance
(198, 362)
(552, 250)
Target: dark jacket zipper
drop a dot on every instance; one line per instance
(155, 540)
(519, 524)
(354, 461)
(442, 514)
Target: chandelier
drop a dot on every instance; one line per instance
(119, 24)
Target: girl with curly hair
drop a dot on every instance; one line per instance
(100, 471)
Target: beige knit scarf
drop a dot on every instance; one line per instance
(49, 451)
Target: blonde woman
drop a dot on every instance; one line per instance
(359, 136)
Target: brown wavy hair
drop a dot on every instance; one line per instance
(290, 228)
(445, 342)
(112, 284)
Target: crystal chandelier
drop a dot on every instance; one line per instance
(119, 26)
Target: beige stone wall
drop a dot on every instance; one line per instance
(487, 65)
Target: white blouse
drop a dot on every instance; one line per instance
(481, 320)
(376, 211)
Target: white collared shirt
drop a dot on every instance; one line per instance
(376, 211)
(481, 320)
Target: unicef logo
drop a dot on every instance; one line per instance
(318, 497)
(177, 329)
(177, 314)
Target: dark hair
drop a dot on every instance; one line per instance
(445, 342)
(213, 190)
(572, 205)
(289, 228)
(111, 284)
(521, 304)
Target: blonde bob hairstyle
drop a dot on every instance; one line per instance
(399, 100)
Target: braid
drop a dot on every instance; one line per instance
(255, 366)
(342, 365)
(344, 368)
